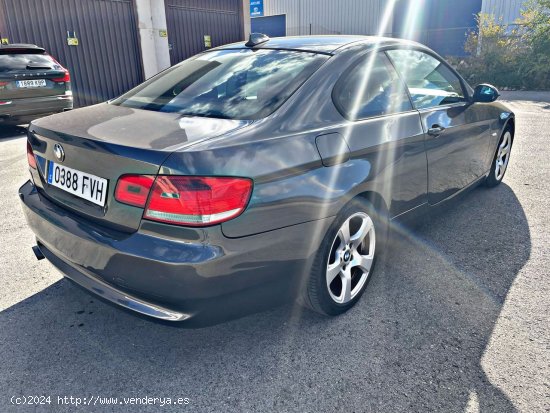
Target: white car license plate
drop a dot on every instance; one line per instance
(81, 184)
(31, 83)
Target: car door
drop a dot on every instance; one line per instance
(384, 130)
(457, 140)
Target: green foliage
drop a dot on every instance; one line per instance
(512, 56)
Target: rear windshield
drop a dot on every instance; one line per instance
(26, 61)
(228, 84)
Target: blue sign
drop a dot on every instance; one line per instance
(256, 8)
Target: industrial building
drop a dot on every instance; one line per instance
(111, 46)
(440, 24)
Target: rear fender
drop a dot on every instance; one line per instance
(291, 184)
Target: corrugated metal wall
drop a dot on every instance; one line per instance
(3, 25)
(329, 16)
(441, 24)
(107, 61)
(189, 21)
(509, 10)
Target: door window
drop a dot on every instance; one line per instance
(431, 83)
(370, 88)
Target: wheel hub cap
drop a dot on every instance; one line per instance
(347, 256)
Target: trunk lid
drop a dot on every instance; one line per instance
(109, 141)
(9, 88)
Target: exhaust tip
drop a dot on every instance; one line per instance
(37, 253)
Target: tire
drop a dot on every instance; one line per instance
(500, 159)
(335, 299)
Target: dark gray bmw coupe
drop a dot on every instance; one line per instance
(271, 168)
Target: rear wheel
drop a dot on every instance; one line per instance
(345, 260)
(501, 159)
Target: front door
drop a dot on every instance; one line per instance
(456, 140)
(384, 133)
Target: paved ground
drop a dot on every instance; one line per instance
(456, 320)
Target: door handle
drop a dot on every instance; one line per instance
(436, 130)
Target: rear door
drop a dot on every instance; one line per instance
(30, 74)
(456, 138)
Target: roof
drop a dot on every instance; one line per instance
(319, 44)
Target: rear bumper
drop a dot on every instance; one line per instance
(181, 274)
(110, 293)
(25, 110)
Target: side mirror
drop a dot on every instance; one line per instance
(485, 93)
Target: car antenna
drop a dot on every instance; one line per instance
(256, 38)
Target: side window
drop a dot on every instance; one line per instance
(370, 88)
(431, 83)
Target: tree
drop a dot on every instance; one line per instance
(514, 56)
(535, 34)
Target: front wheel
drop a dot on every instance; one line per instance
(345, 261)
(501, 159)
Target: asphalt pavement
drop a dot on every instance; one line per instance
(456, 319)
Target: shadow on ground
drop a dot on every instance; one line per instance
(11, 132)
(412, 344)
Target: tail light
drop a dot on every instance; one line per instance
(134, 189)
(65, 78)
(3, 83)
(30, 156)
(185, 200)
(197, 201)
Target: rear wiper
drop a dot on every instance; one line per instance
(31, 67)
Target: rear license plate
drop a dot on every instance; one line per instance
(31, 83)
(83, 185)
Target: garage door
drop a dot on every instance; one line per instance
(189, 21)
(106, 62)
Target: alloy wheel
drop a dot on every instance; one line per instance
(351, 258)
(503, 155)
